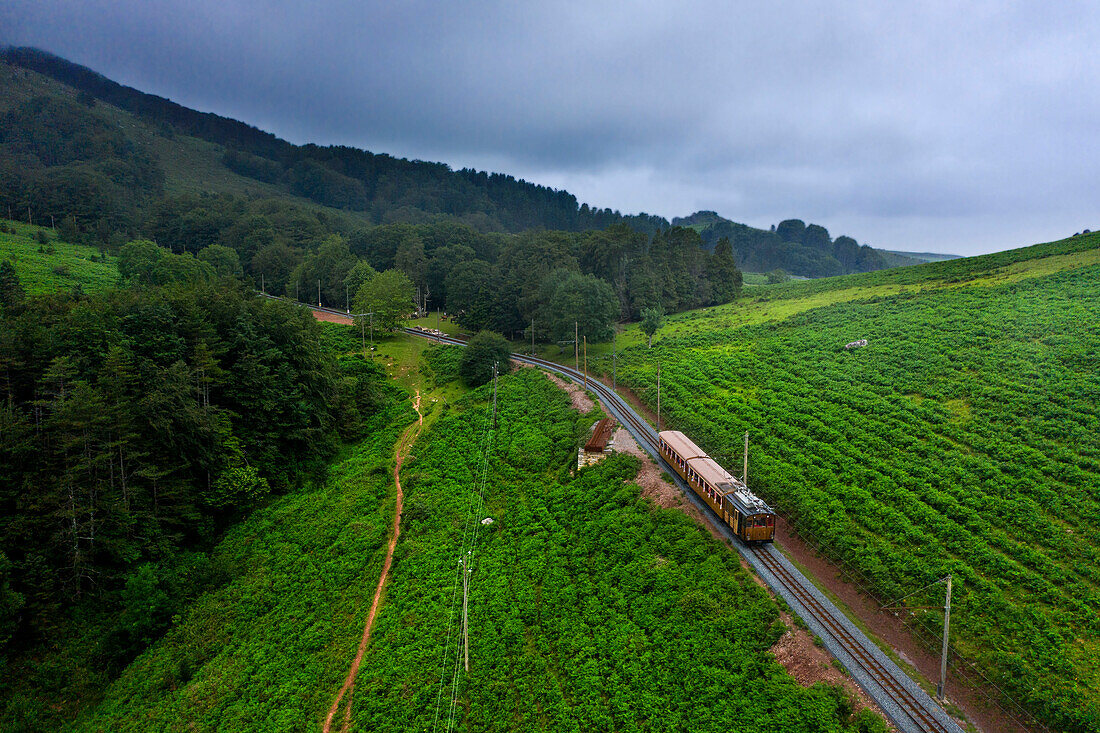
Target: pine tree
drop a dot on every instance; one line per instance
(11, 290)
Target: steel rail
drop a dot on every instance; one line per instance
(878, 671)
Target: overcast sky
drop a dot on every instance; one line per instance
(943, 126)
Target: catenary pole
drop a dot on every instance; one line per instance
(586, 362)
(614, 336)
(745, 473)
(494, 396)
(942, 691)
(658, 397)
(466, 611)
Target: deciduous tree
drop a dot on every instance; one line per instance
(389, 296)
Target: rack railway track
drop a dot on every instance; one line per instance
(908, 706)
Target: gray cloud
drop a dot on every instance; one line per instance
(913, 126)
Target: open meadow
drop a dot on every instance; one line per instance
(57, 265)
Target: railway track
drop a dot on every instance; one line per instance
(908, 706)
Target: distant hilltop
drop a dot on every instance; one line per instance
(797, 248)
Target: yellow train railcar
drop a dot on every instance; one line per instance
(747, 514)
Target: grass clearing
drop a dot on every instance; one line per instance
(68, 266)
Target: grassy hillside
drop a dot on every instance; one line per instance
(907, 258)
(191, 165)
(962, 440)
(590, 609)
(54, 266)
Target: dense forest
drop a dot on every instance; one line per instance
(65, 160)
(343, 177)
(137, 424)
(61, 158)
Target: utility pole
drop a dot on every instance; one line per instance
(941, 688)
(262, 288)
(318, 293)
(658, 397)
(494, 396)
(586, 362)
(466, 610)
(745, 474)
(296, 283)
(576, 348)
(614, 335)
(347, 301)
(532, 336)
(437, 335)
(942, 691)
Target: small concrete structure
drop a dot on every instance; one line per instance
(600, 443)
(856, 344)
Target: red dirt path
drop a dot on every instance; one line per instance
(348, 687)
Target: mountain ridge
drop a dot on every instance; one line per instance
(378, 187)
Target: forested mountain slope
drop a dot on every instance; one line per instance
(962, 439)
(74, 143)
(792, 246)
(381, 186)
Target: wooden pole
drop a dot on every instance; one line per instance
(466, 614)
(658, 397)
(745, 473)
(576, 348)
(941, 693)
(494, 397)
(614, 336)
(586, 362)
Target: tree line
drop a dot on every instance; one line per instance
(384, 187)
(63, 158)
(791, 245)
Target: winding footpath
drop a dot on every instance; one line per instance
(399, 454)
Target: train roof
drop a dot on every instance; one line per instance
(682, 444)
(713, 473)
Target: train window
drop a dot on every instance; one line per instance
(771, 521)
